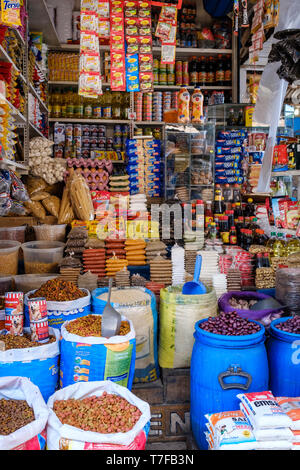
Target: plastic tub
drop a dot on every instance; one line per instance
(27, 282)
(42, 257)
(54, 233)
(9, 256)
(13, 233)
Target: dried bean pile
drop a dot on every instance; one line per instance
(230, 324)
(106, 414)
(14, 414)
(58, 290)
(241, 304)
(91, 326)
(290, 326)
(21, 342)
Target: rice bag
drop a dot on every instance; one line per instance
(231, 430)
(280, 434)
(291, 406)
(264, 411)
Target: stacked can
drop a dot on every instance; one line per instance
(174, 103)
(185, 73)
(157, 114)
(163, 74)
(147, 107)
(14, 318)
(167, 100)
(38, 316)
(138, 105)
(179, 77)
(156, 71)
(171, 74)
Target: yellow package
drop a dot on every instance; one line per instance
(10, 13)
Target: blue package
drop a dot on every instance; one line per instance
(132, 73)
(228, 158)
(231, 143)
(228, 150)
(232, 135)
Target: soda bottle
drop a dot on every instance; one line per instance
(220, 73)
(202, 71)
(193, 71)
(209, 217)
(184, 105)
(211, 72)
(233, 236)
(197, 106)
(266, 260)
(228, 72)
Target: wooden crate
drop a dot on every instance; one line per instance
(169, 423)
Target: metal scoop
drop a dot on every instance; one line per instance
(195, 287)
(269, 303)
(111, 319)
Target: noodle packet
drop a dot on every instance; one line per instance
(10, 13)
(264, 411)
(230, 430)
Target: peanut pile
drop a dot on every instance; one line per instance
(106, 414)
(14, 414)
(58, 290)
(20, 342)
(90, 325)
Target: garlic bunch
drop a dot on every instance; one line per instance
(42, 164)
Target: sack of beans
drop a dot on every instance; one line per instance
(138, 305)
(97, 416)
(88, 356)
(77, 301)
(23, 413)
(178, 315)
(241, 302)
(36, 361)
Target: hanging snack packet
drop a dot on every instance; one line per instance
(10, 13)
(230, 430)
(291, 406)
(264, 410)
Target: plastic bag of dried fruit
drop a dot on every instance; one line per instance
(65, 437)
(32, 436)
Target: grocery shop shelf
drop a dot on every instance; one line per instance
(4, 56)
(20, 119)
(40, 20)
(35, 94)
(107, 121)
(286, 173)
(6, 163)
(34, 131)
(19, 36)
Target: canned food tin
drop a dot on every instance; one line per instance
(37, 309)
(14, 303)
(14, 324)
(40, 331)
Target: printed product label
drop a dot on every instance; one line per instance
(117, 366)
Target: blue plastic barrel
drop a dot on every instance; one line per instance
(221, 367)
(284, 361)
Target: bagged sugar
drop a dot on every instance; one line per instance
(230, 430)
(264, 411)
(270, 434)
(291, 406)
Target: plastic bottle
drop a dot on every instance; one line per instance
(220, 72)
(271, 241)
(193, 71)
(70, 104)
(218, 206)
(197, 106)
(213, 231)
(57, 104)
(228, 71)
(233, 236)
(211, 72)
(293, 245)
(236, 194)
(227, 193)
(202, 71)
(184, 105)
(208, 214)
(278, 247)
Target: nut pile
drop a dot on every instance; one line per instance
(265, 278)
(58, 290)
(230, 324)
(290, 326)
(241, 304)
(21, 342)
(14, 414)
(90, 325)
(106, 414)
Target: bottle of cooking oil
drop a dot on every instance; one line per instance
(293, 245)
(70, 103)
(63, 103)
(271, 242)
(57, 104)
(278, 247)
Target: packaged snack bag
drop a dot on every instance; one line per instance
(264, 411)
(10, 13)
(291, 406)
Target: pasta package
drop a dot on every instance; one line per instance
(52, 204)
(10, 13)
(81, 198)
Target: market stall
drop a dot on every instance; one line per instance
(131, 168)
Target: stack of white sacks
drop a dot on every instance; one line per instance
(178, 271)
(262, 423)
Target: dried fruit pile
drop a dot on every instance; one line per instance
(91, 326)
(230, 324)
(14, 414)
(58, 290)
(290, 326)
(106, 414)
(20, 342)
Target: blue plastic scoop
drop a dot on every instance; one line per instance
(195, 287)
